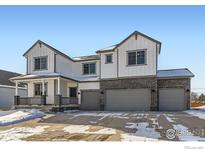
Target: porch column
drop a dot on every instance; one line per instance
(43, 87)
(43, 97)
(16, 97)
(16, 91)
(59, 82)
(58, 97)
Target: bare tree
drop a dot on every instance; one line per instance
(194, 96)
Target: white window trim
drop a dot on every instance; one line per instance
(34, 58)
(111, 54)
(145, 50)
(89, 69)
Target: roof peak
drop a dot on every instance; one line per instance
(133, 33)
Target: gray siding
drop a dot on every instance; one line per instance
(7, 96)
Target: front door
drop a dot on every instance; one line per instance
(73, 92)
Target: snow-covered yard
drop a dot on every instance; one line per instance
(103, 126)
(198, 113)
(12, 117)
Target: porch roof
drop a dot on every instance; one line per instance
(183, 72)
(53, 75)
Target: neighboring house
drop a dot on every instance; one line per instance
(7, 89)
(121, 77)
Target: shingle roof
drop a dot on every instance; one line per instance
(183, 72)
(110, 48)
(51, 75)
(5, 76)
(90, 57)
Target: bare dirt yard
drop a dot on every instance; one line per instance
(109, 126)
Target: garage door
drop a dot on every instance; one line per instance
(90, 100)
(128, 100)
(171, 100)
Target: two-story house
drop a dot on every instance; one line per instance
(123, 77)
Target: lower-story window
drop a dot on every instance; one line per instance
(73, 92)
(38, 89)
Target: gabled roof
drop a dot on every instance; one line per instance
(75, 59)
(5, 76)
(111, 48)
(183, 72)
(52, 48)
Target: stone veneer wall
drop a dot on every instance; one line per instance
(184, 83)
(132, 83)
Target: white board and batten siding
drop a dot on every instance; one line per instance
(7, 94)
(40, 51)
(133, 44)
(74, 69)
(108, 70)
(64, 66)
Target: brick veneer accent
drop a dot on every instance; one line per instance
(151, 83)
(132, 83)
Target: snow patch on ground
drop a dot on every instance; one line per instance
(102, 115)
(48, 116)
(168, 118)
(185, 135)
(84, 129)
(3, 113)
(199, 107)
(143, 130)
(19, 116)
(140, 115)
(133, 137)
(198, 113)
(93, 122)
(71, 111)
(18, 133)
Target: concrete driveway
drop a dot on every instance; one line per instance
(109, 126)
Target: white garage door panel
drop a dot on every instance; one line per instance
(128, 100)
(171, 100)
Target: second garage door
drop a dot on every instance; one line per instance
(128, 100)
(90, 100)
(171, 99)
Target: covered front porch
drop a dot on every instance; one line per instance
(52, 91)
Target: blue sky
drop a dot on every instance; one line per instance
(81, 30)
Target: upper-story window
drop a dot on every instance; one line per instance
(89, 68)
(108, 58)
(40, 63)
(136, 57)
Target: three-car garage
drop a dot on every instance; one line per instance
(163, 93)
